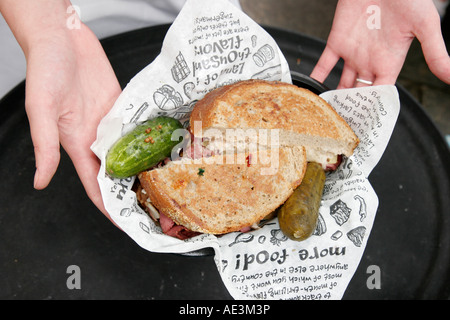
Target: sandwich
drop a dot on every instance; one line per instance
(207, 193)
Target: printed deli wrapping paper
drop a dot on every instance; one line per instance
(212, 45)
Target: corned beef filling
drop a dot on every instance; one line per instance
(169, 227)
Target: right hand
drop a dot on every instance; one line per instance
(377, 55)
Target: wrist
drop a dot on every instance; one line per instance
(32, 21)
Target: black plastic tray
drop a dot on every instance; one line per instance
(42, 233)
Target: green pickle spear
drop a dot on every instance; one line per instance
(298, 216)
(143, 147)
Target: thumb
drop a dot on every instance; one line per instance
(45, 136)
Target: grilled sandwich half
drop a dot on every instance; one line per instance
(218, 195)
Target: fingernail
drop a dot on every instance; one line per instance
(36, 179)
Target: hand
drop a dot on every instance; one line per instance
(377, 54)
(70, 86)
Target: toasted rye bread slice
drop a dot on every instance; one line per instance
(223, 196)
(303, 118)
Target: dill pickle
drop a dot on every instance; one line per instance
(143, 147)
(298, 216)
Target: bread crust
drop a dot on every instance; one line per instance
(275, 105)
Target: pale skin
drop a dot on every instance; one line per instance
(377, 55)
(70, 84)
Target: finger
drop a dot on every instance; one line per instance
(385, 79)
(87, 166)
(434, 50)
(348, 78)
(45, 137)
(364, 79)
(88, 176)
(326, 63)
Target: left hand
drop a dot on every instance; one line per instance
(377, 53)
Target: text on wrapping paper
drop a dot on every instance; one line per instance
(262, 257)
(218, 54)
